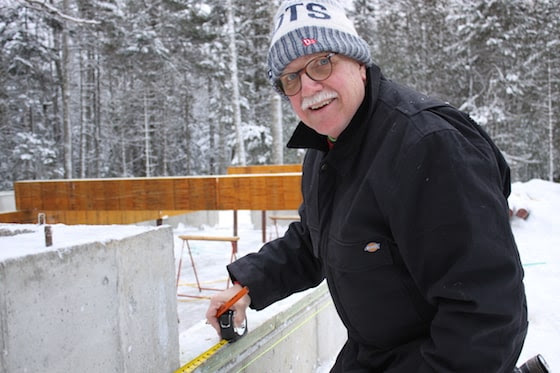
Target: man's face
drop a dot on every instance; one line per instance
(327, 106)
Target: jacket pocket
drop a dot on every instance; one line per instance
(359, 256)
(369, 291)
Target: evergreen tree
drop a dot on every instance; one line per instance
(107, 88)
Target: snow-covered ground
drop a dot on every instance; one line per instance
(538, 239)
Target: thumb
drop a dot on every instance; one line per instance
(239, 316)
(240, 310)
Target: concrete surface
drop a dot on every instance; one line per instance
(105, 306)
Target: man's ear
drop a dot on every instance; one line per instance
(363, 72)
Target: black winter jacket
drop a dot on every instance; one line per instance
(407, 219)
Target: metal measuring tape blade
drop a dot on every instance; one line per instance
(200, 359)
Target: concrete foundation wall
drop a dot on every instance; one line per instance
(95, 307)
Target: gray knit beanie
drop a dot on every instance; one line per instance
(307, 27)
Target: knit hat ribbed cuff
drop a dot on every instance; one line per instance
(307, 27)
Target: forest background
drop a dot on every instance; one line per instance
(115, 88)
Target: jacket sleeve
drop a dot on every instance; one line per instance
(280, 268)
(449, 217)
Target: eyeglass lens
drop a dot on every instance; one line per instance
(317, 69)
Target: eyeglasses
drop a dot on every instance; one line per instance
(317, 69)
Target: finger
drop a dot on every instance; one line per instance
(240, 309)
(211, 316)
(239, 317)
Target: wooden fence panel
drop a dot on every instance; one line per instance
(124, 201)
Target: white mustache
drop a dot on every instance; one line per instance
(317, 98)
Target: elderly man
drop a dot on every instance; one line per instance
(404, 212)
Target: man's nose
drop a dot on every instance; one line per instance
(309, 86)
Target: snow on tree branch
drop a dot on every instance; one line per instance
(53, 10)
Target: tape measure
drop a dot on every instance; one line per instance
(229, 332)
(200, 359)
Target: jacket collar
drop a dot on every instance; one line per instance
(347, 144)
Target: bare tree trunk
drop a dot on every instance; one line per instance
(146, 135)
(164, 156)
(277, 130)
(242, 159)
(64, 87)
(97, 112)
(277, 156)
(123, 152)
(213, 159)
(83, 119)
(186, 132)
(550, 127)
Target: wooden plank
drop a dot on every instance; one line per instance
(260, 192)
(89, 201)
(77, 195)
(264, 169)
(79, 217)
(284, 193)
(284, 217)
(113, 189)
(28, 195)
(227, 194)
(25, 216)
(195, 193)
(53, 217)
(159, 194)
(57, 195)
(209, 238)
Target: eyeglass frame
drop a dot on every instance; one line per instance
(280, 87)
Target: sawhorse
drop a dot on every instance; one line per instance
(186, 239)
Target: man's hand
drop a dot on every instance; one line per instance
(238, 308)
